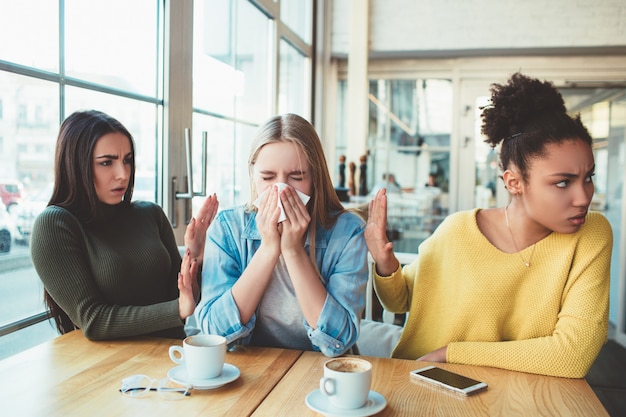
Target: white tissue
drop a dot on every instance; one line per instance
(281, 186)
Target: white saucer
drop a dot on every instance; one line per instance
(318, 402)
(179, 375)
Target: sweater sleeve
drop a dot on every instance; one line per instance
(581, 326)
(394, 291)
(61, 259)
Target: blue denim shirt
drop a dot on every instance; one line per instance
(341, 256)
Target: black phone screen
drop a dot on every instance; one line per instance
(449, 378)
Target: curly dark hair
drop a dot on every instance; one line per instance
(525, 115)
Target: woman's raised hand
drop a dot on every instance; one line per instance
(267, 220)
(195, 234)
(378, 245)
(188, 288)
(297, 223)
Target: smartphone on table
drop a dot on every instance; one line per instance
(449, 380)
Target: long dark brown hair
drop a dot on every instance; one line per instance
(73, 179)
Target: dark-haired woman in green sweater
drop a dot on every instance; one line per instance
(111, 267)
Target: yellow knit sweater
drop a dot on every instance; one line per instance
(490, 310)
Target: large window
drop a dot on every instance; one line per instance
(60, 60)
(235, 83)
(296, 14)
(231, 89)
(30, 33)
(295, 71)
(120, 52)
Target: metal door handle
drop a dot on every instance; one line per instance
(189, 194)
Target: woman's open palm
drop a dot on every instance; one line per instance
(376, 239)
(195, 234)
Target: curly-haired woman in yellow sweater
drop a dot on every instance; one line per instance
(523, 287)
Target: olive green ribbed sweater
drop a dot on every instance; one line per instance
(490, 310)
(116, 277)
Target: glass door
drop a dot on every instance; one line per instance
(410, 130)
(603, 111)
(608, 118)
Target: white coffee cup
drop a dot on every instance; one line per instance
(346, 382)
(202, 355)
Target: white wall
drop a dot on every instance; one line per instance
(448, 26)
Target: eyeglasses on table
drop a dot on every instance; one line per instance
(138, 386)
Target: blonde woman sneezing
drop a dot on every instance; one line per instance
(290, 269)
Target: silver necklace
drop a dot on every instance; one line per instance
(506, 219)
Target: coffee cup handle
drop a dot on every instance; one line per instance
(174, 350)
(325, 382)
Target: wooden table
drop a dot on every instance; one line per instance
(509, 393)
(71, 376)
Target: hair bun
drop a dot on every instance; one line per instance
(517, 104)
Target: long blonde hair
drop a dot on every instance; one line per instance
(324, 206)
